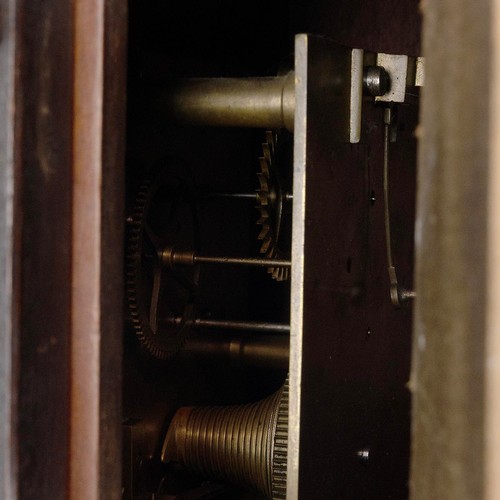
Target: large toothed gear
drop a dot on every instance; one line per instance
(271, 203)
(163, 213)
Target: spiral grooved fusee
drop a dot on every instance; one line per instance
(244, 445)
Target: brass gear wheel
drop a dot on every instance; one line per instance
(163, 213)
(271, 202)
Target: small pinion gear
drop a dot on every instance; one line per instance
(272, 201)
(163, 214)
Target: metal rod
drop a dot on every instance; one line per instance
(239, 196)
(241, 261)
(239, 349)
(235, 325)
(263, 102)
(246, 196)
(172, 258)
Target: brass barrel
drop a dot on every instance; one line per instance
(257, 351)
(262, 102)
(245, 445)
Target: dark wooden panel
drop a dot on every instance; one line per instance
(356, 344)
(44, 117)
(113, 144)
(39, 140)
(356, 348)
(391, 26)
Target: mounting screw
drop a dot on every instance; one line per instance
(376, 80)
(364, 456)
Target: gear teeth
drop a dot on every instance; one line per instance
(264, 167)
(266, 149)
(285, 275)
(135, 229)
(271, 253)
(270, 140)
(266, 245)
(264, 205)
(264, 182)
(264, 233)
(280, 446)
(263, 199)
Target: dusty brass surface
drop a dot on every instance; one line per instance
(265, 102)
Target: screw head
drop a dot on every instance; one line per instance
(376, 80)
(364, 456)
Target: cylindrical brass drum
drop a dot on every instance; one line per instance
(244, 445)
(262, 102)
